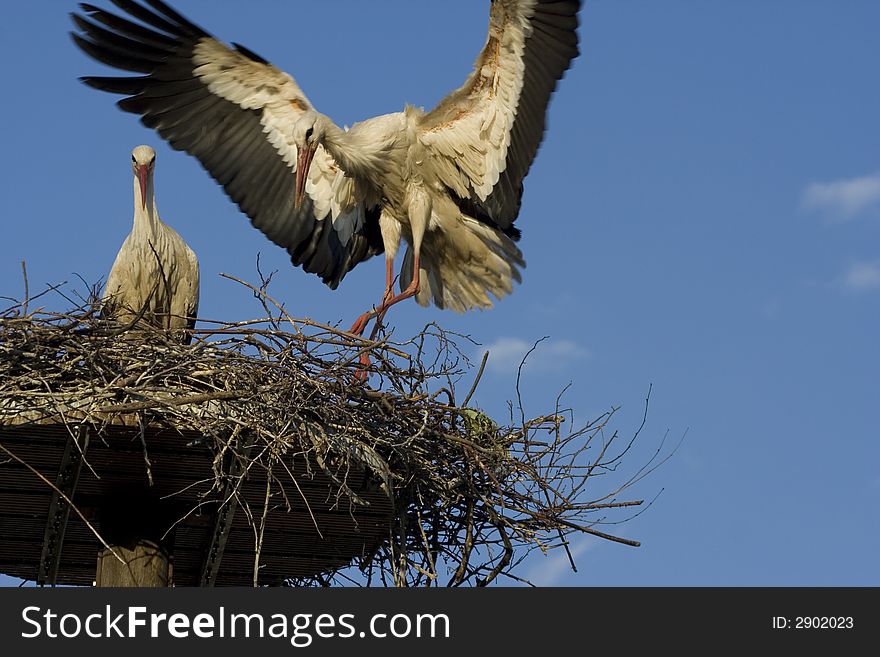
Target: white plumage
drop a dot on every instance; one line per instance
(155, 274)
(448, 181)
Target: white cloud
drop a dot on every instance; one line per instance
(844, 199)
(506, 354)
(862, 276)
(553, 569)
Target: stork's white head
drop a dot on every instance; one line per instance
(309, 129)
(308, 133)
(143, 161)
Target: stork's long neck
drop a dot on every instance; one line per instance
(146, 216)
(360, 153)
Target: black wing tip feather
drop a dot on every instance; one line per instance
(94, 82)
(156, 15)
(80, 21)
(175, 16)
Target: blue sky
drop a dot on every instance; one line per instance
(703, 217)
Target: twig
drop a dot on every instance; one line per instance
(27, 293)
(177, 401)
(476, 380)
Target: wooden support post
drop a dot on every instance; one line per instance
(147, 564)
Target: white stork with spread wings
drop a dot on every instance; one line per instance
(448, 181)
(155, 275)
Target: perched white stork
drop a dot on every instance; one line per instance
(448, 181)
(155, 274)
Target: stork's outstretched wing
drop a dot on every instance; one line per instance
(484, 136)
(235, 112)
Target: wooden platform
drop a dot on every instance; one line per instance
(314, 536)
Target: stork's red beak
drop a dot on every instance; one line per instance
(303, 162)
(142, 173)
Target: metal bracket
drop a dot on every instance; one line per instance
(59, 509)
(223, 519)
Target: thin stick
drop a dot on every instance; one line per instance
(177, 401)
(476, 379)
(27, 294)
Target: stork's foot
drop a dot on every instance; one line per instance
(378, 326)
(358, 329)
(361, 323)
(363, 372)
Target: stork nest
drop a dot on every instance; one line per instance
(472, 495)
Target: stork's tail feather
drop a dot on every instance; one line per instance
(464, 267)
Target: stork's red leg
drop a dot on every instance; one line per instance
(388, 301)
(389, 279)
(419, 211)
(379, 313)
(411, 290)
(362, 321)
